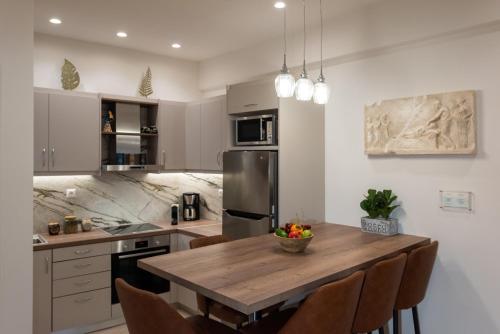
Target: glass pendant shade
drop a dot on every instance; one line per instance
(321, 93)
(284, 84)
(304, 89)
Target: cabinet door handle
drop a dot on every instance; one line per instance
(82, 251)
(53, 156)
(44, 157)
(250, 105)
(83, 300)
(47, 265)
(83, 283)
(164, 157)
(83, 265)
(218, 158)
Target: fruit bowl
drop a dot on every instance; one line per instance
(294, 238)
(294, 245)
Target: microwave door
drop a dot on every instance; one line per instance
(249, 132)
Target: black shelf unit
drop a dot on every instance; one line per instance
(147, 144)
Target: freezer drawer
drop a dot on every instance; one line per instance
(237, 227)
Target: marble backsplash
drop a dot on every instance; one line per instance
(122, 198)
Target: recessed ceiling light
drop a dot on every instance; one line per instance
(121, 34)
(176, 46)
(55, 20)
(279, 4)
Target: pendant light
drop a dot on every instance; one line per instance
(284, 82)
(304, 88)
(321, 89)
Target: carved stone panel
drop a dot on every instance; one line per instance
(431, 124)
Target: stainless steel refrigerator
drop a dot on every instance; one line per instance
(250, 200)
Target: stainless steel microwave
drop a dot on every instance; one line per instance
(256, 130)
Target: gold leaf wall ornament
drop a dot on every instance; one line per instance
(70, 79)
(146, 88)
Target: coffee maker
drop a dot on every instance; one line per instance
(191, 206)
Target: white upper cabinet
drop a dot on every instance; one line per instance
(193, 137)
(41, 134)
(172, 140)
(205, 134)
(73, 133)
(66, 132)
(254, 96)
(212, 135)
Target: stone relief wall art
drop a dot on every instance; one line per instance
(431, 124)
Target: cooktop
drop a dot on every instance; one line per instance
(130, 228)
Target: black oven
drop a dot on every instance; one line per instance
(124, 257)
(256, 130)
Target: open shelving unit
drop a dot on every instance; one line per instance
(126, 147)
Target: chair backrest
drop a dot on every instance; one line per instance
(379, 293)
(416, 276)
(147, 313)
(203, 242)
(207, 241)
(330, 309)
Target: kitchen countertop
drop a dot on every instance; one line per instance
(199, 228)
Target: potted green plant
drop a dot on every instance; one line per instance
(379, 206)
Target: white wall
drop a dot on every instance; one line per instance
(464, 296)
(108, 69)
(16, 165)
(406, 48)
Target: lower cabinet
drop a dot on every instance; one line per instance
(42, 292)
(72, 287)
(179, 294)
(81, 309)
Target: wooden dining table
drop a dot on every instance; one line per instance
(251, 274)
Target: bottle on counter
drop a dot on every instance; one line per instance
(86, 225)
(54, 227)
(71, 224)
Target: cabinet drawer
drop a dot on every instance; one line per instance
(78, 252)
(80, 267)
(71, 286)
(81, 309)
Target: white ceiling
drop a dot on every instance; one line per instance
(205, 28)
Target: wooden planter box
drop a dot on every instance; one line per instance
(379, 225)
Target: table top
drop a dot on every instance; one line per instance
(252, 274)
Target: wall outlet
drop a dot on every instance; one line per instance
(70, 193)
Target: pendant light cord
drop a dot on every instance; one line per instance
(284, 69)
(304, 63)
(284, 31)
(321, 47)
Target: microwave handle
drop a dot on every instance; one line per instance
(262, 134)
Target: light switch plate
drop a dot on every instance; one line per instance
(220, 192)
(71, 193)
(457, 200)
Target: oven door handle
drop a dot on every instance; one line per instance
(130, 256)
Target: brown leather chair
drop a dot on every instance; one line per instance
(330, 309)
(147, 313)
(378, 296)
(207, 306)
(414, 283)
